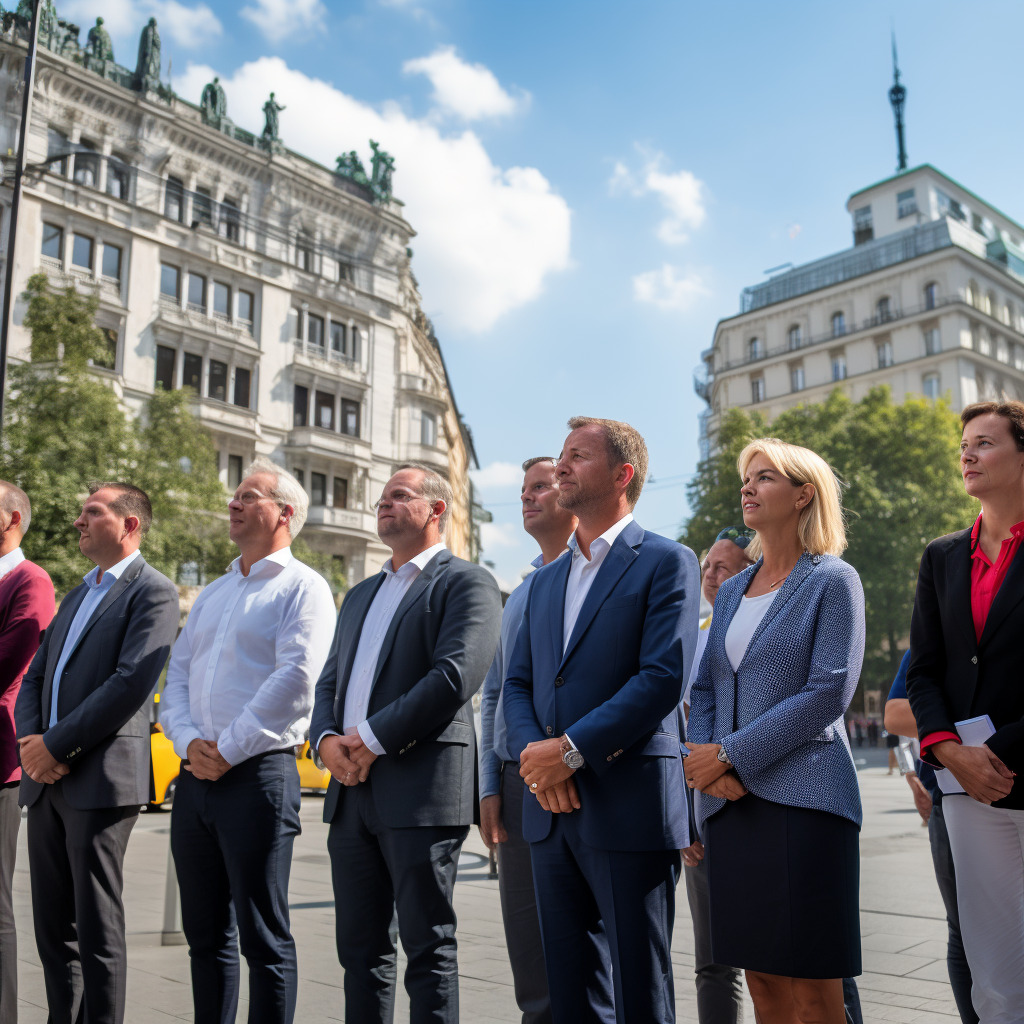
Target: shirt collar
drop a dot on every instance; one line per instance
(109, 575)
(11, 560)
(605, 541)
(269, 565)
(419, 562)
(1016, 532)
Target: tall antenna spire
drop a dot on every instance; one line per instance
(897, 97)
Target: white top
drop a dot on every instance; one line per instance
(375, 626)
(11, 561)
(583, 571)
(746, 620)
(243, 670)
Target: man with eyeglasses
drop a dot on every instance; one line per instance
(393, 724)
(236, 703)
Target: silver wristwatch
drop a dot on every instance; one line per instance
(723, 756)
(571, 757)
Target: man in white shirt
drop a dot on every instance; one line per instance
(236, 703)
(393, 724)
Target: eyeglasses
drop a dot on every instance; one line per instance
(740, 536)
(249, 498)
(397, 498)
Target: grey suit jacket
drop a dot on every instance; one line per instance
(102, 733)
(434, 657)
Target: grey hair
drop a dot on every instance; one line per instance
(287, 490)
(14, 499)
(435, 488)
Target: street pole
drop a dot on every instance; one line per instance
(19, 170)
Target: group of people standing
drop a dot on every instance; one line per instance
(598, 776)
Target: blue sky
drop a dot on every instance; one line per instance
(593, 182)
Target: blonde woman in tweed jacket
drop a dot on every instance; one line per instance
(781, 811)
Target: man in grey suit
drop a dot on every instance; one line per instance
(83, 734)
(392, 723)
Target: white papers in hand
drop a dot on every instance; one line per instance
(973, 732)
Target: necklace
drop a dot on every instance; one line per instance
(772, 586)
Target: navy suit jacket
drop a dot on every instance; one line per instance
(614, 690)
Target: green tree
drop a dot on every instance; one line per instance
(903, 490)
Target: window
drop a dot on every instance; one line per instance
(53, 242)
(988, 303)
(349, 417)
(948, 206)
(1006, 314)
(428, 429)
(794, 337)
(218, 385)
(174, 199)
(338, 338)
(57, 143)
(81, 251)
(932, 342)
(931, 295)
(340, 495)
(884, 350)
(192, 372)
(757, 389)
(197, 293)
(1002, 350)
(345, 272)
(118, 178)
(906, 204)
(300, 475)
(304, 253)
(930, 385)
(111, 261)
(317, 489)
(221, 300)
(234, 472)
(796, 377)
(755, 350)
(170, 281)
(202, 207)
(230, 219)
(971, 294)
(838, 366)
(984, 344)
(246, 303)
(883, 310)
(315, 331)
(301, 406)
(166, 360)
(243, 383)
(87, 165)
(863, 225)
(324, 410)
(838, 325)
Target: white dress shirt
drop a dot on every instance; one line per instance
(378, 618)
(583, 572)
(11, 561)
(91, 601)
(243, 670)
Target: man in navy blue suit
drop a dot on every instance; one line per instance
(607, 638)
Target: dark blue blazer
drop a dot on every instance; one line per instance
(614, 691)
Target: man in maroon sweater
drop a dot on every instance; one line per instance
(26, 608)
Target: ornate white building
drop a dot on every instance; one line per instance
(279, 291)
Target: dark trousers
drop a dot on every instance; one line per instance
(519, 905)
(76, 859)
(10, 821)
(232, 845)
(606, 917)
(379, 872)
(956, 959)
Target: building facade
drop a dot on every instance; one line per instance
(929, 301)
(279, 291)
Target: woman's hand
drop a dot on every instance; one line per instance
(728, 787)
(701, 766)
(983, 776)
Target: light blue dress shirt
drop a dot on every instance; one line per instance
(97, 591)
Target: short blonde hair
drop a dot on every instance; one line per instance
(821, 528)
(625, 444)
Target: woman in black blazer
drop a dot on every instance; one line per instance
(966, 638)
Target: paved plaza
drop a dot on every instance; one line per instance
(901, 914)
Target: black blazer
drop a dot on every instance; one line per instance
(952, 675)
(103, 731)
(435, 655)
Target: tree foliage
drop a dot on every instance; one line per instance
(899, 463)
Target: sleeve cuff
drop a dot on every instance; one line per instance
(326, 732)
(366, 735)
(930, 740)
(181, 743)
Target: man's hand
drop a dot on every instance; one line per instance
(335, 756)
(492, 831)
(728, 787)
(541, 765)
(37, 762)
(922, 798)
(983, 776)
(693, 855)
(561, 798)
(701, 766)
(205, 761)
(360, 755)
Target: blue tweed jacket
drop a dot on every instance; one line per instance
(780, 716)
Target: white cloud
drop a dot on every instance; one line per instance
(279, 19)
(187, 26)
(498, 474)
(681, 193)
(669, 288)
(469, 91)
(498, 535)
(487, 237)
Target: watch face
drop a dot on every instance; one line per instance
(573, 759)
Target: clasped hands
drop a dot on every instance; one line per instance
(347, 758)
(982, 774)
(712, 777)
(549, 778)
(205, 760)
(37, 762)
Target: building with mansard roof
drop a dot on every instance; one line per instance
(278, 290)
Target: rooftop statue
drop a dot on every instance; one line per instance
(98, 47)
(214, 103)
(147, 71)
(348, 165)
(271, 128)
(383, 169)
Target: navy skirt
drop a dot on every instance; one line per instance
(784, 885)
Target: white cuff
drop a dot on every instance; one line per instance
(366, 735)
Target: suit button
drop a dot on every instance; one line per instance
(609, 757)
(974, 660)
(550, 731)
(559, 681)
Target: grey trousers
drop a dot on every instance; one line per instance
(10, 821)
(519, 905)
(719, 988)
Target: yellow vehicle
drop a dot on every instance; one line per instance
(310, 776)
